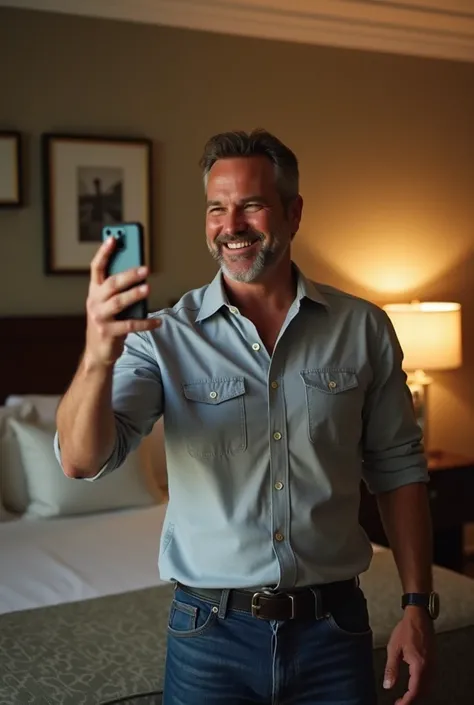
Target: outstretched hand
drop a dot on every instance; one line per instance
(413, 642)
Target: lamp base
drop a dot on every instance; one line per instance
(418, 383)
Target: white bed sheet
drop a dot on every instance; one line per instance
(51, 561)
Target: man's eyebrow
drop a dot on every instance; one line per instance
(242, 201)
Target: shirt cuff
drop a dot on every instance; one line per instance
(105, 469)
(378, 482)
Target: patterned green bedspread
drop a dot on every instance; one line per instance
(85, 653)
(97, 651)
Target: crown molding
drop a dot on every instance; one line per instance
(441, 29)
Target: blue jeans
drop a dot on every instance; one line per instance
(217, 656)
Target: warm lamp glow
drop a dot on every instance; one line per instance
(429, 333)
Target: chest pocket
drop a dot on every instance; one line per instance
(334, 405)
(215, 416)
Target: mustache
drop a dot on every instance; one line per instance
(239, 237)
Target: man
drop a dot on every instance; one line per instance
(278, 396)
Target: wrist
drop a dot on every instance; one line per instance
(415, 612)
(92, 365)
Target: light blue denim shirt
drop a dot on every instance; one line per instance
(265, 453)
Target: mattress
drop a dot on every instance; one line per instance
(53, 561)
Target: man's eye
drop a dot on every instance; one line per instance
(252, 207)
(215, 210)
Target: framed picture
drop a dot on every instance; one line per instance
(10, 170)
(90, 182)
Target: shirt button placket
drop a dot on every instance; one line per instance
(279, 479)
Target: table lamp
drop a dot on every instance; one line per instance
(430, 336)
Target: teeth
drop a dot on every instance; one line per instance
(238, 245)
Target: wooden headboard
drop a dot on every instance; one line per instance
(39, 354)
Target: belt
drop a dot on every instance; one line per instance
(307, 603)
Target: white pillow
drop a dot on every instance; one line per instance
(45, 405)
(13, 487)
(51, 493)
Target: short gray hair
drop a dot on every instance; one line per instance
(259, 142)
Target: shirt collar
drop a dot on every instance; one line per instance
(306, 288)
(215, 297)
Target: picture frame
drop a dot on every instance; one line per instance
(11, 178)
(91, 181)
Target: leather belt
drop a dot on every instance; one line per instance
(306, 603)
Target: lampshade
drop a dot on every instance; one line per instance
(429, 333)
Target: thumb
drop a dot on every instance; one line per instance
(391, 667)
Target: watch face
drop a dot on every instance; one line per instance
(433, 606)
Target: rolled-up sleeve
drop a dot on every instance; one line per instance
(393, 453)
(137, 400)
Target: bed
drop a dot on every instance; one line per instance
(83, 611)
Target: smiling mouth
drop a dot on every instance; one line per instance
(240, 245)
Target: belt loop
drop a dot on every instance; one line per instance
(318, 607)
(223, 604)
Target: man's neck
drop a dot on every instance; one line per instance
(276, 292)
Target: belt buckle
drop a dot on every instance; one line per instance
(255, 606)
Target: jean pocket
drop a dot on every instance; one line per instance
(214, 422)
(334, 403)
(188, 620)
(351, 617)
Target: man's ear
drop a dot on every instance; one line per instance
(295, 211)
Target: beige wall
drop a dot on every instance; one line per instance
(385, 143)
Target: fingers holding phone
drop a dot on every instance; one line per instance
(117, 297)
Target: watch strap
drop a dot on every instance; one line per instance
(428, 600)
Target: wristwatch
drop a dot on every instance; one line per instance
(428, 600)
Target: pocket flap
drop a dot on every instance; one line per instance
(330, 381)
(214, 391)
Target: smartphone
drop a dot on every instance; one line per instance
(128, 253)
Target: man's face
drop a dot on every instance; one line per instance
(248, 230)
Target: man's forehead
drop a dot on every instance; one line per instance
(253, 174)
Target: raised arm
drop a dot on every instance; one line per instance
(87, 426)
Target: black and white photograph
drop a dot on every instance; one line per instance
(100, 192)
(89, 183)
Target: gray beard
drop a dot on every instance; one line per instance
(245, 275)
(264, 258)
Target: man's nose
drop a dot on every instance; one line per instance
(234, 222)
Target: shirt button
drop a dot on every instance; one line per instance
(279, 537)
(332, 385)
(256, 346)
(232, 309)
(277, 436)
(274, 385)
(278, 485)
(213, 395)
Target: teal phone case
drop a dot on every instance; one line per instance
(128, 253)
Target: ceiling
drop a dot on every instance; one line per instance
(431, 28)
